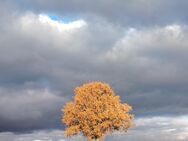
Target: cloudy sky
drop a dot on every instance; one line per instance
(47, 48)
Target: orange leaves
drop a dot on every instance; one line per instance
(95, 111)
(72, 130)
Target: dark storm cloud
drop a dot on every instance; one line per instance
(28, 109)
(41, 61)
(126, 12)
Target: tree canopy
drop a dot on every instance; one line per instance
(95, 111)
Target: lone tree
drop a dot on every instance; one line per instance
(95, 111)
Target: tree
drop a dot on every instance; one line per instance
(95, 111)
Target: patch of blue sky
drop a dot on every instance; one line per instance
(65, 19)
(54, 17)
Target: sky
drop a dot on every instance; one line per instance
(47, 48)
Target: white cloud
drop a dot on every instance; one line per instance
(45, 20)
(168, 38)
(158, 52)
(41, 30)
(146, 129)
(60, 25)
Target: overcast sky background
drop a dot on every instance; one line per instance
(47, 48)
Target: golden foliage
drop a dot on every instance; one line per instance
(95, 111)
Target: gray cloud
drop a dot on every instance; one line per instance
(28, 109)
(129, 12)
(41, 62)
